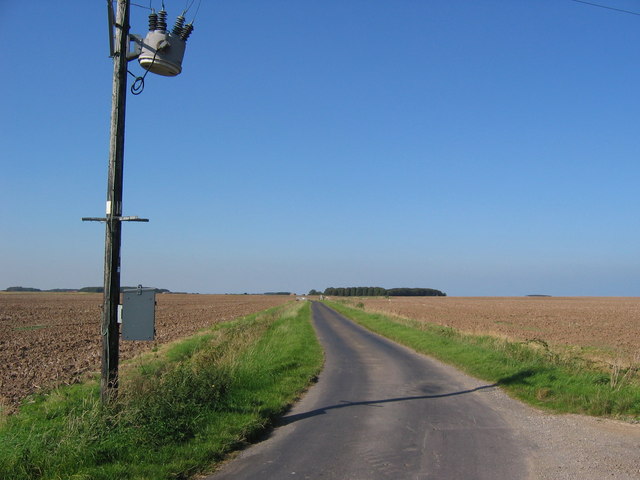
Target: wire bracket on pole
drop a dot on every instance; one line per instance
(111, 19)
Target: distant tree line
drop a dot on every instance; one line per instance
(277, 293)
(101, 289)
(380, 292)
(92, 289)
(22, 289)
(81, 290)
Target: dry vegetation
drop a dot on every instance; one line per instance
(49, 339)
(600, 329)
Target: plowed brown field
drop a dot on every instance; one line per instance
(48, 339)
(601, 329)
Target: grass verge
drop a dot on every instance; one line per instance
(529, 371)
(179, 411)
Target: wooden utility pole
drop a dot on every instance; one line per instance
(113, 237)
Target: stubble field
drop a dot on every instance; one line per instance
(602, 329)
(49, 339)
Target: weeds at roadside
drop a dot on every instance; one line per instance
(179, 409)
(622, 374)
(29, 327)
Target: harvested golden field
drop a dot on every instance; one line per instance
(597, 328)
(49, 339)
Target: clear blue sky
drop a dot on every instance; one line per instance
(481, 147)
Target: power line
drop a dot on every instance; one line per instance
(141, 6)
(607, 7)
(189, 5)
(197, 10)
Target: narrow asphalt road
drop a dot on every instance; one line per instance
(382, 411)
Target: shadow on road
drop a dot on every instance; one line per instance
(321, 411)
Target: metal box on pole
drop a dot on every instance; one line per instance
(139, 314)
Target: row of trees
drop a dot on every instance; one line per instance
(81, 290)
(379, 292)
(356, 291)
(22, 289)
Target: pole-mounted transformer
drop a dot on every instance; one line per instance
(162, 51)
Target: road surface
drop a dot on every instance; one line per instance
(381, 411)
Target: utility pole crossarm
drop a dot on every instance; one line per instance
(120, 219)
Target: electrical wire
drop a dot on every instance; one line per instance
(187, 7)
(137, 87)
(197, 9)
(142, 6)
(607, 7)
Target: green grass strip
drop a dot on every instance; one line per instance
(179, 411)
(529, 372)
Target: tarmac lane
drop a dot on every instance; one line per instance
(381, 411)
